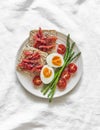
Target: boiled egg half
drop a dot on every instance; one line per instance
(47, 74)
(55, 60)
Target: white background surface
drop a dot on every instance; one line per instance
(80, 109)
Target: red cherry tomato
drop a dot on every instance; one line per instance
(66, 75)
(62, 84)
(72, 68)
(37, 81)
(61, 49)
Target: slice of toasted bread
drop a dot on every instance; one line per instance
(45, 32)
(31, 49)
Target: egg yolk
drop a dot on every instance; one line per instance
(47, 72)
(56, 61)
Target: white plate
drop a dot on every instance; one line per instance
(26, 81)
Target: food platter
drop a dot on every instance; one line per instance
(26, 80)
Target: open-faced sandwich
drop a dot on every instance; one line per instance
(44, 40)
(49, 62)
(31, 60)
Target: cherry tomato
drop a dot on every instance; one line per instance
(62, 84)
(61, 49)
(37, 81)
(66, 74)
(72, 68)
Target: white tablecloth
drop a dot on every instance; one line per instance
(78, 110)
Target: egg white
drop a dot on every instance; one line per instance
(50, 57)
(44, 79)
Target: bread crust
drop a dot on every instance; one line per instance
(45, 32)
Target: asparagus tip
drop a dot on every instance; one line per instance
(68, 35)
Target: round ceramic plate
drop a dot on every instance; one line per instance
(26, 81)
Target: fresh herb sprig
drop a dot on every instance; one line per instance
(68, 58)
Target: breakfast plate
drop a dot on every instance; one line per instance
(26, 80)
